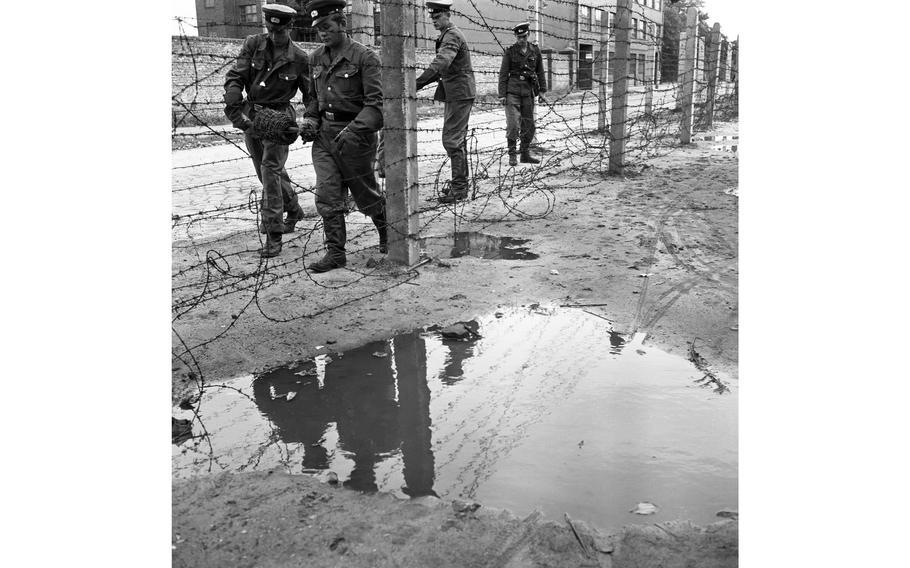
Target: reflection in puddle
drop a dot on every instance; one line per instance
(539, 408)
(465, 243)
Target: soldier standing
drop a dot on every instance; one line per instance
(452, 68)
(271, 69)
(521, 78)
(342, 118)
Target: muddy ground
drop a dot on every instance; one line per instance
(654, 252)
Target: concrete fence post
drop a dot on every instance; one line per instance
(687, 82)
(602, 123)
(362, 21)
(399, 92)
(711, 72)
(618, 126)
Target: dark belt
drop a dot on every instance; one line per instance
(273, 106)
(339, 116)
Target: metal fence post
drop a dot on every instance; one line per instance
(687, 84)
(399, 133)
(620, 91)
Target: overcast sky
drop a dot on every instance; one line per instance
(727, 12)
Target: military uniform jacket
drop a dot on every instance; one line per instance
(452, 67)
(266, 81)
(348, 83)
(522, 74)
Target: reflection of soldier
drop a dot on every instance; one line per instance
(458, 352)
(303, 419)
(452, 68)
(359, 394)
(343, 115)
(521, 78)
(365, 410)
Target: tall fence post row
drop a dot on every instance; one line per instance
(687, 81)
(399, 61)
(620, 87)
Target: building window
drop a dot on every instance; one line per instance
(209, 3)
(596, 23)
(641, 65)
(634, 28)
(584, 17)
(249, 14)
(611, 20)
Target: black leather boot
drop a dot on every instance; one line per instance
(292, 220)
(272, 246)
(453, 196)
(335, 237)
(513, 153)
(527, 158)
(380, 222)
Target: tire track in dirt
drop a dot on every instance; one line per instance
(647, 316)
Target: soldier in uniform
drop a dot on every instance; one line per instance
(521, 78)
(343, 115)
(270, 69)
(452, 69)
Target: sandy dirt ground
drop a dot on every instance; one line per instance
(654, 252)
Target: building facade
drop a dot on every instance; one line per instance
(645, 35)
(570, 31)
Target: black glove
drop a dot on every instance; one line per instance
(308, 132)
(247, 127)
(345, 138)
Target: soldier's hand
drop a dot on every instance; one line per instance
(289, 135)
(247, 128)
(502, 101)
(308, 132)
(344, 138)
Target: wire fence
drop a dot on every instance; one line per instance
(216, 194)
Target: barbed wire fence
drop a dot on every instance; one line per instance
(605, 115)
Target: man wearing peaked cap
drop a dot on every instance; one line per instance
(278, 14)
(321, 9)
(269, 70)
(521, 78)
(439, 6)
(452, 70)
(342, 118)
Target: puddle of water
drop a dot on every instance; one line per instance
(465, 243)
(546, 409)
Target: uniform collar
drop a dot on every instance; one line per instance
(345, 50)
(287, 53)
